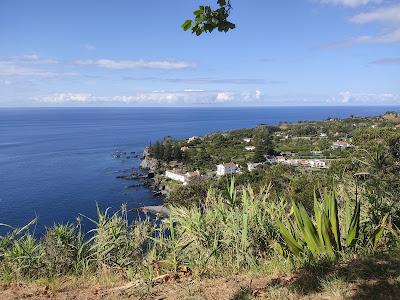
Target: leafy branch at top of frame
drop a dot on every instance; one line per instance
(208, 19)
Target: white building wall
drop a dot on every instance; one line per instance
(224, 170)
(175, 176)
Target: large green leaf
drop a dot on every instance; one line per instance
(289, 239)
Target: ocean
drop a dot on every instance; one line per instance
(57, 163)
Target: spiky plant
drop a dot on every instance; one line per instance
(322, 235)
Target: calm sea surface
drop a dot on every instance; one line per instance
(57, 162)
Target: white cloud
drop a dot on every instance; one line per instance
(223, 97)
(345, 97)
(88, 47)
(192, 90)
(136, 64)
(348, 97)
(31, 59)
(8, 68)
(386, 38)
(351, 3)
(386, 61)
(5, 82)
(389, 37)
(205, 80)
(162, 98)
(61, 98)
(29, 65)
(389, 14)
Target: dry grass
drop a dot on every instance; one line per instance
(359, 278)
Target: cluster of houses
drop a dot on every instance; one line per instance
(232, 168)
(340, 145)
(310, 163)
(185, 178)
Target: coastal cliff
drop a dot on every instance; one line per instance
(154, 182)
(148, 163)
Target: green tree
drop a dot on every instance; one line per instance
(167, 150)
(264, 145)
(176, 152)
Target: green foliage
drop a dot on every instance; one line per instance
(394, 146)
(264, 145)
(116, 243)
(25, 258)
(167, 150)
(321, 235)
(232, 229)
(239, 224)
(192, 194)
(66, 250)
(207, 19)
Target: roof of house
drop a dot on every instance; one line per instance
(230, 165)
(175, 172)
(341, 143)
(193, 174)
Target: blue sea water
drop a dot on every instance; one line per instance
(56, 163)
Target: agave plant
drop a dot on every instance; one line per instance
(322, 234)
(231, 193)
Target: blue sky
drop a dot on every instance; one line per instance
(133, 53)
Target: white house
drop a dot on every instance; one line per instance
(247, 140)
(193, 138)
(323, 135)
(185, 149)
(316, 163)
(280, 159)
(340, 145)
(250, 148)
(225, 169)
(292, 162)
(184, 178)
(252, 166)
(275, 159)
(174, 175)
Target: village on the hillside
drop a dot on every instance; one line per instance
(308, 146)
(232, 168)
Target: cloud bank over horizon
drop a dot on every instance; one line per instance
(329, 52)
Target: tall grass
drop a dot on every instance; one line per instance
(231, 231)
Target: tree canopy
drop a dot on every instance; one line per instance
(207, 19)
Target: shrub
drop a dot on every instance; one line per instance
(232, 230)
(115, 242)
(25, 258)
(65, 250)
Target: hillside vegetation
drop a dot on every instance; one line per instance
(278, 232)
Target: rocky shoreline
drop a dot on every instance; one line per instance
(147, 178)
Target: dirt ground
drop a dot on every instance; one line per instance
(359, 279)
